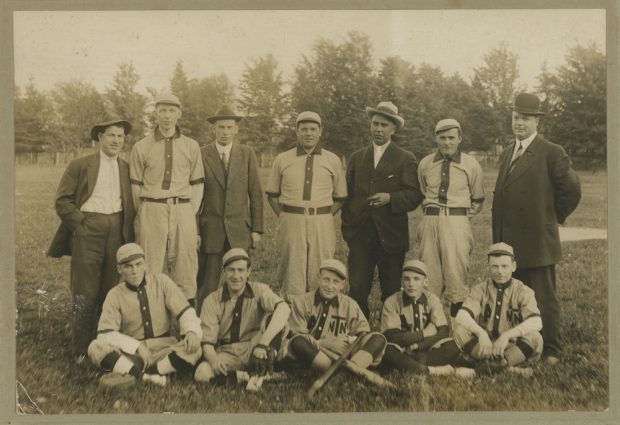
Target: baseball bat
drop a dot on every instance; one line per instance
(368, 375)
(318, 384)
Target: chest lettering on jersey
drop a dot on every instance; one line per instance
(514, 316)
(404, 326)
(487, 313)
(337, 325)
(311, 323)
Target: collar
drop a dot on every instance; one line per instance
(105, 157)
(318, 299)
(526, 142)
(137, 288)
(407, 300)
(381, 148)
(223, 148)
(456, 156)
(502, 286)
(316, 151)
(159, 136)
(247, 292)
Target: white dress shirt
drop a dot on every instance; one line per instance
(379, 151)
(106, 196)
(224, 149)
(525, 143)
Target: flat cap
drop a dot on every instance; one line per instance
(415, 266)
(129, 252)
(447, 124)
(501, 248)
(334, 266)
(167, 99)
(233, 255)
(308, 116)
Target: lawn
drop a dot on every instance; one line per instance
(43, 366)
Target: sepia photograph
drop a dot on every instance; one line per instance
(310, 211)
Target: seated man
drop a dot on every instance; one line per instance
(324, 322)
(239, 333)
(499, 323)
(414, 323)
(133, 339)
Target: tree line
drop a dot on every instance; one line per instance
(337, 80)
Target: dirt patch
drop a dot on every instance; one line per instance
(568, 234)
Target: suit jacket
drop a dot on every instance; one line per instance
(232, 205)
(540, 192)
(396, 174)
(76, 186)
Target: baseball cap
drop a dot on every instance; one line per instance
(334, 266)
(233, 255)
(308, 116)
(167, 99)
(447, 124)
(129, 252)
(415, 266)
(500, 248)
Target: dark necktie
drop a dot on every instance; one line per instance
(224, 161)
(516, 157)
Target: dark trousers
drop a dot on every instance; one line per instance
(418, 362)
(366, 253)
(542, 281)
(209, 272)
(93, 272)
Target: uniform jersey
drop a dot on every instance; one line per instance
(403, 313)
(227, 321)
(312, 315)
(498, 308)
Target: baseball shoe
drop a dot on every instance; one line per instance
(551, 360)
(526, 372)
(465, 372)
(441, 370)
(490, 367)
(116, 380)
(155, 379)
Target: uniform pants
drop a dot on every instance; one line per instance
(366, 253)
(531, 344)
(418, 361)
(445, 243)
(305, 241)
(542, 282)
(169, 236)
(93, 272)
(377, 355)
(209, 273)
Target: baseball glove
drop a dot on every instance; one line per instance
(262, 366)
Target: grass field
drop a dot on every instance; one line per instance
(55, 385)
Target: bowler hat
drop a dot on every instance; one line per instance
(334, 266)
(527, 104)
(167, 99)
(224, 113)
(108, 120)
(388, 110)
(233, 255)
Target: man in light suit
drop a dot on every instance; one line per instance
(536, 190)
(96, 210)
(382, 183)
(232, 205)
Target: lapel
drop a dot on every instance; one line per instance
(123, 177)
(504, 163)
(525, 161)
(215, 164)
(368, 161)
(233, 163)
(92, 172)
(390, 156)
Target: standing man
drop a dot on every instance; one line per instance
(94, 203)
(383, 186)
(232, 209)
(451, 183)
(167, 182)
(536, 190)
(306, 187)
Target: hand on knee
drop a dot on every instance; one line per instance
(204, 372)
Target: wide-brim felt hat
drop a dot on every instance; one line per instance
(388, 110)
(527, 104)
(224, 113)
(108, 121)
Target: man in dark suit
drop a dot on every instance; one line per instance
(232, 204)
(536, 190)
(95, 205)
(382, 182)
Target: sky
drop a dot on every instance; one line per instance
(53, 47)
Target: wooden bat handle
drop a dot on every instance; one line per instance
(370, 376)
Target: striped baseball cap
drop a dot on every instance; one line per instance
(415, 266)
(129, 252)
(234, 255)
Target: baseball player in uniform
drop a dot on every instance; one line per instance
(134, 340)
(415, 326)
(451, 183)
(167, 178)
(326, 320)
(499, 322)
(306, 187)
(243, 323)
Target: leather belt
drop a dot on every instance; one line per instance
(173, 200)
(444, 211)
(303, 210)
